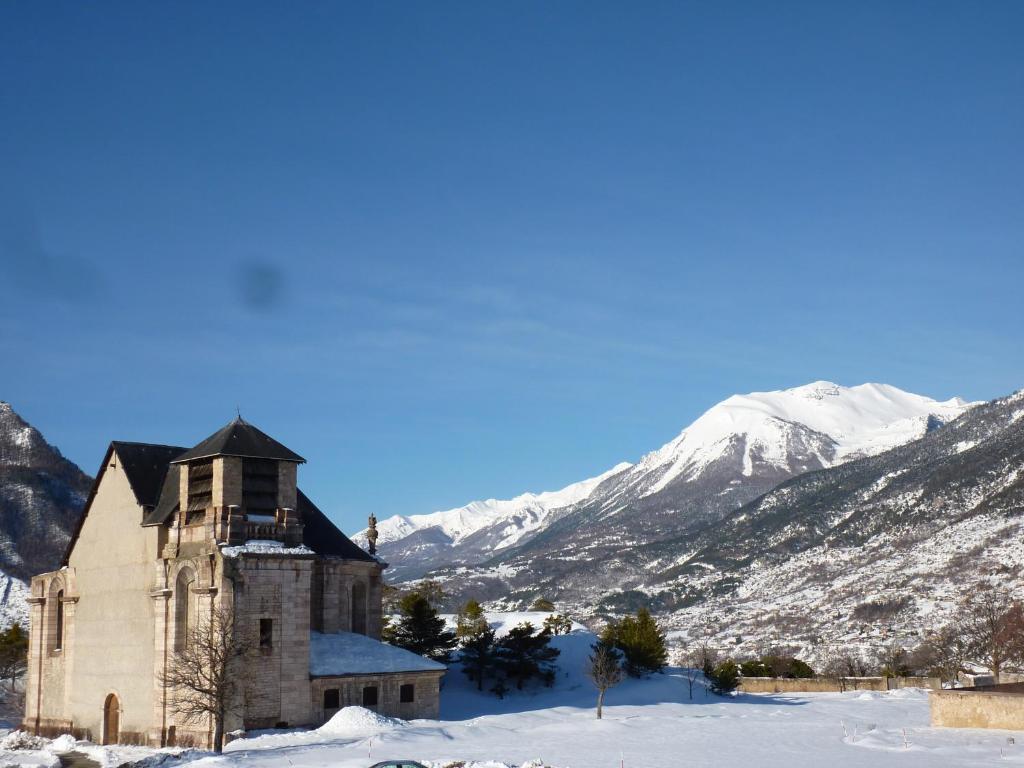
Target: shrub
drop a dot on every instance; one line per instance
(641, 641)
(525, 653)
(556, 624)
(724, 677)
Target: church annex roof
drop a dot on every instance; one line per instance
(240, 438)
(341, 654)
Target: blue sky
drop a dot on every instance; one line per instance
(457, 250)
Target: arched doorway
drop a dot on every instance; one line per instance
(111, 719)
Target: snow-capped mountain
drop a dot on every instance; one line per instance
(816, 424)
(875, 548)
(882, 547)
(417, 543)
(518, 516)
(41, 497)
(735, 451)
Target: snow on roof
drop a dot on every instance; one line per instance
(265, 547)
(346, 653)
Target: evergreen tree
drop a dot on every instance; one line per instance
(421, 630)
(556, 624)
(478, 656)
(641, 641)
(542, 604)
(13, 653)
(471, 620)
(724, 678)
(525, 653)
(476, 640)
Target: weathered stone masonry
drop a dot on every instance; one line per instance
(170, 534)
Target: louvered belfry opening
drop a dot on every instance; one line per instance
(200, 491)
(200, 485)
(259, 486)
(243, 482)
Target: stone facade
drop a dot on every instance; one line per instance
(157, 552)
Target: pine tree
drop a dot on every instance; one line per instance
(542, 604)
(724, 678)
(13, 653)
(557, 624)
(641, 641)
(478, 655)
(476, 640)
(421, 630)
(525, 653)
(471, 620)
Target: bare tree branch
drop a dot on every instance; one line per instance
(208, 677)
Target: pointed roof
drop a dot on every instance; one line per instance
(240, 438)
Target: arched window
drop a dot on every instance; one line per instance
(184, 607)
(58, 638)
(359, 608)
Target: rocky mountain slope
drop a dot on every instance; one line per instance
(41, 497)
(737, 450)
(880, 547)
(847, 556)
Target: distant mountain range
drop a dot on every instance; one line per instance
(820, 515)
(41, 497)
(737, 450)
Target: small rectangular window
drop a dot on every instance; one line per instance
(370, 696)
(407, 693)
(266, 633)
(331, 699)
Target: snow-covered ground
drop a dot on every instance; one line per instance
(647, 724)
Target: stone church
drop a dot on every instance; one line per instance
(170, 534)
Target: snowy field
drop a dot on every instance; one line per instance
(647, 724)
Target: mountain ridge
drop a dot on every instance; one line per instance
(734, 451)
(41, 497)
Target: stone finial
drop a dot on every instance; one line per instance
(371, 533)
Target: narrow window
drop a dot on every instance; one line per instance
(331, 699)
(407, 693)
(359, 608)
(58, 640)
(267, 634)
(370, 696)
(184, 607)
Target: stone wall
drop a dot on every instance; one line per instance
(425, 703)
(968, 708)
(834, 684)
(108, 646)
(278, 589)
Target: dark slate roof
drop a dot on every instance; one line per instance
(323, 536)
(167, 504)
(152, 473)
(239, 438)
(145, 466)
